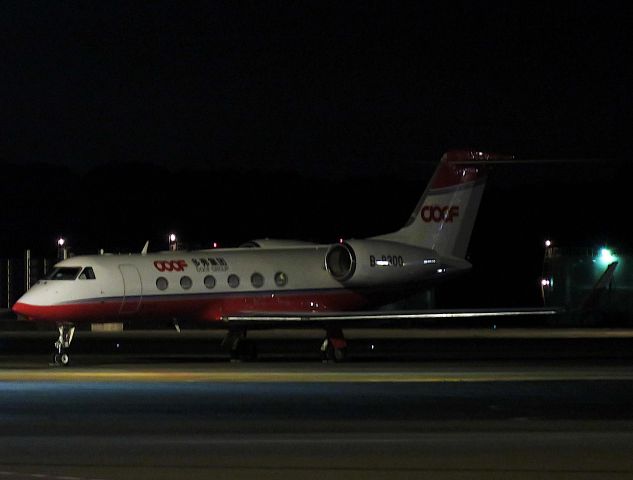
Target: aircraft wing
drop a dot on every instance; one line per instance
(295, 319)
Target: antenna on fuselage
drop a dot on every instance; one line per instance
(144, 251)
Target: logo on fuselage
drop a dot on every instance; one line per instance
(170, 265)
(436, 213)
(210, 264)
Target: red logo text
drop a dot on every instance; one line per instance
(170, 265)
(435, 213)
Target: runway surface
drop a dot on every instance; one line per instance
(105, 419)
(406, 344)
(100, 369)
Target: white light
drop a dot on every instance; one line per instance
(215, 245)
(548, 243)
(545, 282)
(382, 263)
(172, 237)
(61, 241)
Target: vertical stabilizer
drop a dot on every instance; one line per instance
(444, 217)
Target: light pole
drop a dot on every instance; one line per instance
(62, 251)
(173, 242)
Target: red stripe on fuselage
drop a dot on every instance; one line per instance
(192, 307)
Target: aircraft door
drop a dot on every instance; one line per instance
(132, 289)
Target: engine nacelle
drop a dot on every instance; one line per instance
(361, 263)
(275, 243)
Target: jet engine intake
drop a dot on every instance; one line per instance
(340, 261)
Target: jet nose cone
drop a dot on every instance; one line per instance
(21, 309)
(29, 305)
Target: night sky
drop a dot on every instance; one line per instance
(121, 121)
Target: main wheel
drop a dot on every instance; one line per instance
(333, 354)
(247, 351)
(339, 354)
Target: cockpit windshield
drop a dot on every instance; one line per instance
(64, 273)
(87, 274)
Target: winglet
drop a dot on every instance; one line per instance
(145, 247)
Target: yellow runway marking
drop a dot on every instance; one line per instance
(63, 375)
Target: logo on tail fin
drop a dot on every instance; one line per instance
(435, 213)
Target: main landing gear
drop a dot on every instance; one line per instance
(66, 332)
(238, 346)
(334, 346)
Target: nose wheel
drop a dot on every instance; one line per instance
(66, 333)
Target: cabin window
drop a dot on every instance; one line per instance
(234, 281)
(209, 281)
(185, 282)
(281, 279)
(162, 283)
(64, 273)
(87, 274)
(257, 279)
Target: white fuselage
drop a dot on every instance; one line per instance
(199, 285)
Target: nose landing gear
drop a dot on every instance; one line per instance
(66, 332)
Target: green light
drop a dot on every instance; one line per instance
(606, 256)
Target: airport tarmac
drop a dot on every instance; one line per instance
(158, 416)
(101, 369)
(407, 344)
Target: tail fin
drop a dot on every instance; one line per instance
(444, 217)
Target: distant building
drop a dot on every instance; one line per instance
(595, 284)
